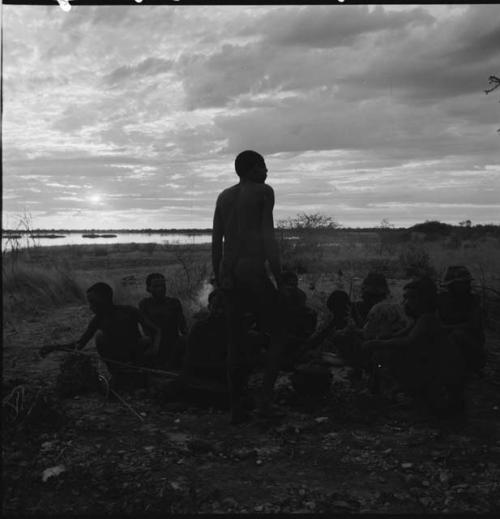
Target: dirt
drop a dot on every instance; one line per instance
(350, 452)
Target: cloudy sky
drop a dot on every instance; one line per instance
(131, 116)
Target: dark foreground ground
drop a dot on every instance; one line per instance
(352, 452)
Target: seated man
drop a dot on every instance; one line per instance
(117, 335)
(206, 350)
(348, 341)
(386, 320)
(374, 289)
(167, 314)
(339, 308)
(460, 313)
(423, 360)
(300, 319)
(204, 373)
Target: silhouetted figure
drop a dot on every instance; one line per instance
(117, 335)
(167, 314)
(339, 308)
(386, 320)
(348, 342)
(206, 350)
(461, 313)
(203, 378)
(374, 289)
(424, 361)
(242, 241)
(300, 320)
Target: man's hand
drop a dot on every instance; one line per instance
(49, 348)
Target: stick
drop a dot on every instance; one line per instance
(127, 404)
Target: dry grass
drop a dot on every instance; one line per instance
(28, 288)
(41, 278)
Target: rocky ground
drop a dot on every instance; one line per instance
(351, 452)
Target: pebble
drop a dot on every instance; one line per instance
(444, 477)
(426, 501)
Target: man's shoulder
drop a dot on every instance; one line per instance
(228, 193)
(173, 301)
(263, 189)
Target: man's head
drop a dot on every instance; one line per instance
(420, 296)
(374, 288)
(251, 165)
(155, 285)
(338, 303)
(100, 297)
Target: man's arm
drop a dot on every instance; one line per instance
(87, 334)
(398, 342)
(217, 235)
(146, 323)
(270, 244)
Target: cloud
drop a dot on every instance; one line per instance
(334, 25)
(148, 106)
(451, 58)
(148, 67)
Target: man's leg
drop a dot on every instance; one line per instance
(271, 316)
(237, 372)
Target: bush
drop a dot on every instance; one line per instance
(416, 261)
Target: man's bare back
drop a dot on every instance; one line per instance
(243, 229)
(242, 240)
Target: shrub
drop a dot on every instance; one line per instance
(416, 261)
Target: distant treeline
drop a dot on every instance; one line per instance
(107, 231)
(431, 229)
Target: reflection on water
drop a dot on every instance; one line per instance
(125, 237)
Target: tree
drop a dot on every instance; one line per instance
(386, 224)
(304, 221)
(494, 81)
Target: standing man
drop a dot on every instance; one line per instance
(242, 241)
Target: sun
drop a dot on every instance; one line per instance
(95, 198)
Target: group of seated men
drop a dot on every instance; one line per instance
(426, 345)
(155, 334)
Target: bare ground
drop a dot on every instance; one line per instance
(352, 452)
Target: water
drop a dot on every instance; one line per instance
(122, 237)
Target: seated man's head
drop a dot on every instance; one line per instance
(155, 285)
(374, 288)
(457, 280)
(419, 297)
(100, 297)
(250, 165)
(216, 303)
(338, 303)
